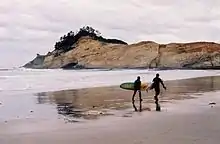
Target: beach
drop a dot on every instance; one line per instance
(105, 115)
(69, 71)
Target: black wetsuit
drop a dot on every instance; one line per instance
(156, 87)
(137, 87)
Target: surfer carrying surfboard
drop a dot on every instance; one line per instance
(137, 88)
(156, 86)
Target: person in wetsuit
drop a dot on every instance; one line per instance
(137, 88)
(156, 87)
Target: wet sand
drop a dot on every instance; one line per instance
(105, 115)
(94, 102)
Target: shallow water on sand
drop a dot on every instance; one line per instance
(92, 103)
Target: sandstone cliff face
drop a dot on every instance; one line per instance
(91, 53)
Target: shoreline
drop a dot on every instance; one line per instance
(31, 81)
(106, 96)
(130, 68)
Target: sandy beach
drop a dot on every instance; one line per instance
(105, 115)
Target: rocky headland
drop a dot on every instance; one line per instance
(87, 49)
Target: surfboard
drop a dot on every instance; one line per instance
(130, 86)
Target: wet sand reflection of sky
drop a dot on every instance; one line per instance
(91, 103)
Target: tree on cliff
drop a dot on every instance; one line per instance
(67, 41)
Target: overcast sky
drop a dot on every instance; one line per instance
(28, 27)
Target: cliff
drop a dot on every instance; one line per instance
(90, 52)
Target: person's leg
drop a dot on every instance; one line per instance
(157, 92)
(135, 91)
(156, 96)
(140, 100)
(135, 108)
(140, 95)
(140, 108)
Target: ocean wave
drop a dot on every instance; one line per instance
(29, 80)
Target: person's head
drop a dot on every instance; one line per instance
(157, 75)
(138, 78)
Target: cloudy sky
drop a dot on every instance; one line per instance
(28, 27)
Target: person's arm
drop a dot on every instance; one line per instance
(150, 87)
(161, 81)
(153, 80)
(135, 83)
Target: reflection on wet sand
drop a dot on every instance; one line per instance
(93, 102)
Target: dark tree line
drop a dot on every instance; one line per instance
(67, 41)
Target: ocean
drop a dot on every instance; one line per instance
(21, 80)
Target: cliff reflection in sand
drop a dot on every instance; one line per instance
(94, 102)
(82, 103)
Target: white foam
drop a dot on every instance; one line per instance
(29, 80)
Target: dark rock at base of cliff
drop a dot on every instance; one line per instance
(73, 66)
(36, 63)
(204, 68)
